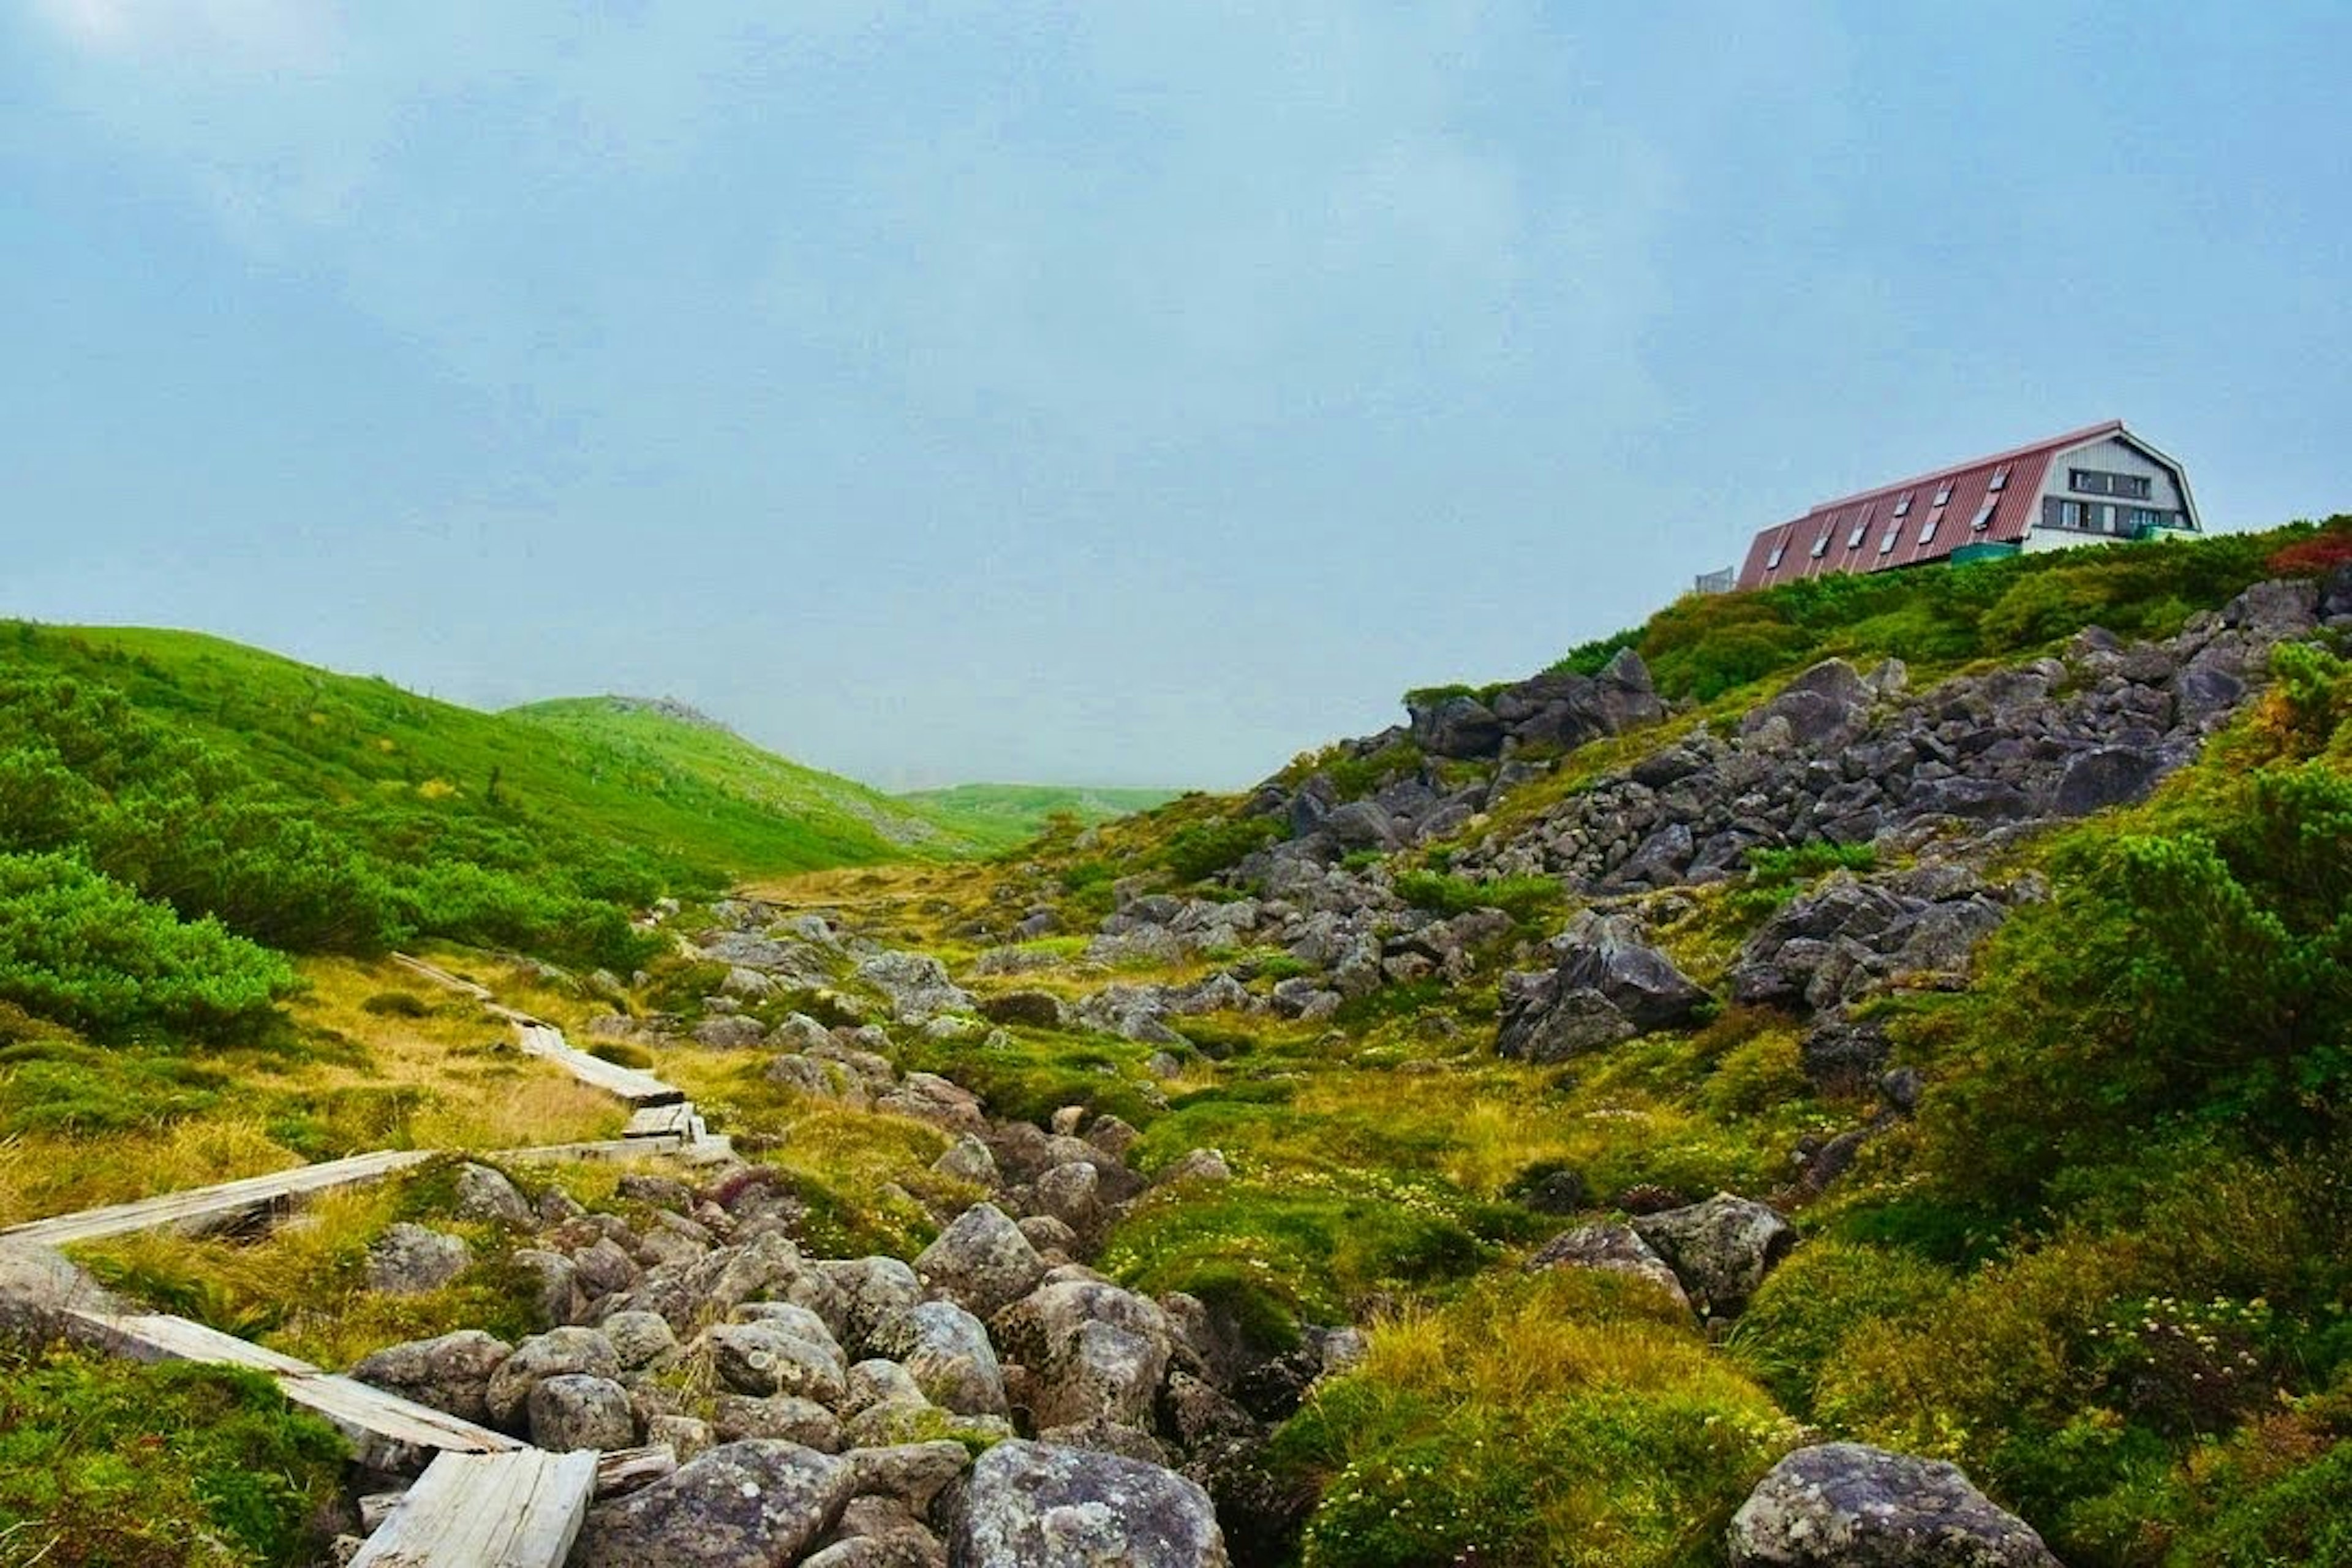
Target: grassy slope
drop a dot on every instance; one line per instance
(670, 757)
(1001, 815)
(340, 737)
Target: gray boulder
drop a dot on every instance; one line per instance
(764, 1357)
(577, 1411)
(450, 1372)
(1030, 1505)
(486, 1194)
(1543, 1021)
(916, 987)
(1720, 1249)
(639, 1338)
(1606, 953)
(946, 1351)
(729, 1032)
(1613, 1248)
(735, 1417)
(555, 1353)
(1094, 1353)
(982, 1260)
(2108, 776)
(1843, 1505)
(752, 1504)
(408, 1259)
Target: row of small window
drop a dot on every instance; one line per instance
(2095, 517)
(1982, 520)
(2099, 482)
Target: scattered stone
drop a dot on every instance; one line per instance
(1616, 1249)
(750, 1504)
(487, 1195)
(449, 1371)
(1030, 1505)
(1720, 1249)
(1845, 1505)
(982, 1259)
(408, 1259)
(574, 1410)
(555, 1353)
(947, 1352)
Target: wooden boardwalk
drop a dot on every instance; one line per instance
(520, 1510)
(220, 1208)
(387, 1432)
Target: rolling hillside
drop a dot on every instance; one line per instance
(701, 802)
(1001, 815)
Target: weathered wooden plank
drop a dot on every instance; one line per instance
(520, 1510)
(386, 1429)
(638, 1089)
(440, 976)
(214, 1206)
(619, 1471)
(675, 1121)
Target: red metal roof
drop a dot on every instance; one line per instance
(1818, 543)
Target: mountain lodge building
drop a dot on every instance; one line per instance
(2088, 487)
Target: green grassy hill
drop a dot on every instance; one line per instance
(741, 797)
(1001, 815)
(694, 799)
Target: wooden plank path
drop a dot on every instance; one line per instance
(631, 1087)
(520, 1509)
(386, 1431)
(214, 1208)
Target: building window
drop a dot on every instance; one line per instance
(1944, 492)
(1772, 561)
(2069, 515)
(2141, 517)
(1887, 542)
(1903, 503)
(2099, 482)
(1983, 519)
(2000, 480)
(1820, 544)
(1927, 528)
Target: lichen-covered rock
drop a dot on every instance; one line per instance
(968, 1160)
(946, 1351)
(552, 1355)
(639, 1338)
(916, 987)
(1845, 1505)
(1094, 1352)
(449, 1371)
(408, 1259)
(1615, 1248)
(577, 1411)
(766, 1357)
(912, 1475)
(983, 1261)
(1720, 1249)
(735, 1417)
(485, 1194)
(753, 1504)
(1032, 1505)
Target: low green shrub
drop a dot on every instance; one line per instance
(106, 1463)
(1794, 1326)
(1525, 899)
(88, 952)
(1205, 848)
(1569, 1417)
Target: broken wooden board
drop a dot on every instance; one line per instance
(214, 1208)
(519, 1510)
(666, 1121)
(625, 1084)
(387, 1432)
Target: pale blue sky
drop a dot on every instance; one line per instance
(1105, 391)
